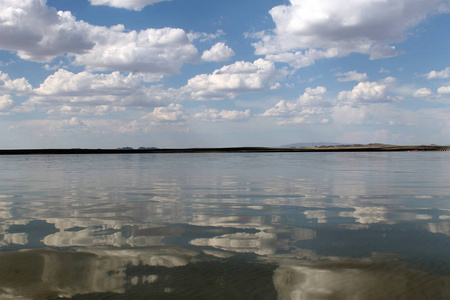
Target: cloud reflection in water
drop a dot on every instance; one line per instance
(238, 227)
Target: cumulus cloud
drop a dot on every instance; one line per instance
(127, 4)
(366, 103)
(223, 115)
(338, 27)
(423, 92)
(439, 74)
(16, 86)
(173, 114)
(287, 113)
(313, 97)
(219, 52)
(6, 104)
(365, 92)
(40, 33)
(300, 59)
(351, 76)
(281, 109)
(102, 92)
(73, 122)
(232, 80)
(444, 90)
(66, 83)
(310, 107)
(158, 51)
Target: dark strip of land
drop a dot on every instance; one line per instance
(362, 148)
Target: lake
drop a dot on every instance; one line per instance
(281, 226)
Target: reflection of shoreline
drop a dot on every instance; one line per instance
(41, 274)
(131, 274)
(180, 273)
(357, 279)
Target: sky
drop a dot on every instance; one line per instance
(216, 73)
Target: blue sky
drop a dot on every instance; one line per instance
(188, 73)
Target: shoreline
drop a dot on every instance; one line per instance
(362, 148)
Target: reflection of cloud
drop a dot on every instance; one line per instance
(261, 243)
(13, 238)
(424, 217)
(354, 226)
(368, 215)
(302, 234)
(320, 215)
(107, 233)
(168, 257)
(90, 237)
(6, 238)
(229, 221)
(442, 227)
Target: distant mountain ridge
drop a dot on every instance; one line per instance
(320, 144)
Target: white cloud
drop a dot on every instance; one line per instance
(228, 115)
(234, 114)
(40, 33)
(388, 80)
(16, 86)
(232, 80)
(340, 27)
(158, 51)
(309, 108)
(102, 91)
(301, 59)
(203, 36)
(6, 104)
(66, 83)
(365, 92)
(171, 114)
(218, 52)
(313, 97)
(444, 90)
(127, 4)
(281, 109)
(99, 110)
(439, 74)
(423, 92)
(351, 76)
(73, 122)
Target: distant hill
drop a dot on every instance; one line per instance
(337, 145)
(308, 145)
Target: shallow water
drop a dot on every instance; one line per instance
(225, 226)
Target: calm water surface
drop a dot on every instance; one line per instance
(226, 226)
